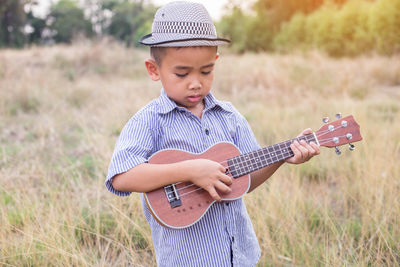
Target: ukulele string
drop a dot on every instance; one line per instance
(199, 188)
(187, 193)
(328, 140)
(318, 134)
(321, 141)
(321, 133)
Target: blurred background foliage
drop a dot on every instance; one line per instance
(125, 20)
(337, 27)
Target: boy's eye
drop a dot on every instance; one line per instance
(206, 72)
(181, 75)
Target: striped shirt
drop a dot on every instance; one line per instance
(224, 236)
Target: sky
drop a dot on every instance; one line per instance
(214, 7)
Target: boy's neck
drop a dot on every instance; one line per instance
(197, 110)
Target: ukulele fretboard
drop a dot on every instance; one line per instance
(249, 162)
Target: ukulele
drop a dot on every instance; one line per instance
(182, 204)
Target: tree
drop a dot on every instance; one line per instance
(258, 31)
(38, 25)
(66, 21)
(12, 22)
(275, 12)
(235, 27)
(130, 19)
(385, 26)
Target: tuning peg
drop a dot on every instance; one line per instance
(325, 119)
(338, 115)
(351, 147)
(338, 152)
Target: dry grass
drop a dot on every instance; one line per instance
(63, 107)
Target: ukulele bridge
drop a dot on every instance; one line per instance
(173, 195)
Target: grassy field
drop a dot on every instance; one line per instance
(62, 109)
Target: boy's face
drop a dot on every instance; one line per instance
(186, 74)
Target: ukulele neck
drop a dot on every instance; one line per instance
(250, 162)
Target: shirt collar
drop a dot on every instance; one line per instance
(166, 104)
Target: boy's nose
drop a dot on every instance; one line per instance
(195, 84)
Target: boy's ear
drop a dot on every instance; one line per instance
(217, 56)
(152, 69)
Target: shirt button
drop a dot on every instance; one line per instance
(207, 132)
(227, 203)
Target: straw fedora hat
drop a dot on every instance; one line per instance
(179, 24)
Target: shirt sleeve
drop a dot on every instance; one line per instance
(244, 137)
(134, 146)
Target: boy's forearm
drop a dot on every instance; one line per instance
(260, 176)
(207, 174)
(147, 177)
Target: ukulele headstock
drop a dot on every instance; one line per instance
(342, 131)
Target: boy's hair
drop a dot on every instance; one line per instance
(157, 53)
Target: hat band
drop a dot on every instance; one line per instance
(211, 40)
(184, 27)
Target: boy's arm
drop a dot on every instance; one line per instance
(146, 177)
(302, 153)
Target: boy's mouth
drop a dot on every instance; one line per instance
(194, 98)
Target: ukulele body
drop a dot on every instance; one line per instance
(191, 202)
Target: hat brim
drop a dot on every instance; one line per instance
(149, 40)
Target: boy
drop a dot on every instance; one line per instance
(187, 117)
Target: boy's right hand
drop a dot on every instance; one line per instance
(209, 175)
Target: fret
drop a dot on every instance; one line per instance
(289, 153)
(256, 159)
(275, 157)
(281, 155)
(271, 151)
(283, 149)
(252, 161)
(239, 165)
(310, 138)
(260, 156)
(232, 163)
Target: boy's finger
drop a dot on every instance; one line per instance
(305, 132)
(222, 168)
(304, 152)
(296, 151)
(225, 179)
(316, 148)
(309, 148)
(223, 187)
(213, 193)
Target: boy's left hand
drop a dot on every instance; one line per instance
(302, 150)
